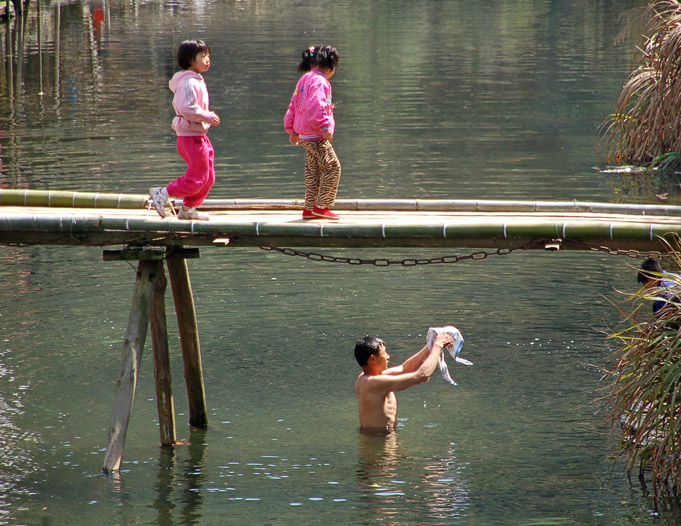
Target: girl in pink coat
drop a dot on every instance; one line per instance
(309, 120)
(191, 124)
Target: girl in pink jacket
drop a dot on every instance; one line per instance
(309, 120)
(191, 124)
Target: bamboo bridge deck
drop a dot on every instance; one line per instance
(93, 219)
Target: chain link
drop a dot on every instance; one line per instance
(474, 256)
(632, 253)
(410, 262)
(383, 262)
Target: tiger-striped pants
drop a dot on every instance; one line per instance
(322, 174)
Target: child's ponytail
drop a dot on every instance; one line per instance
(325, 57)
(308, 58)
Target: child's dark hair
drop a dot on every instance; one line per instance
(188, 51)
(649, 268)
(324, 57)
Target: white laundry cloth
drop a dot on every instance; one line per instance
(454, 349)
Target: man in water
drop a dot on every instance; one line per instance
(377, 383)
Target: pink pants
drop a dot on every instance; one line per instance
(199, 178)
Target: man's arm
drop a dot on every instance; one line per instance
(415, 361)
(417, 369)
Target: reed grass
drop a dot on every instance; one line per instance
(645, 128)
(643, 391)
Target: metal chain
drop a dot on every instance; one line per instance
(411, 262)
(383, 262)
(632, 253)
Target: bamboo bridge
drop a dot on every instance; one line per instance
(97, 219)
(29, 217)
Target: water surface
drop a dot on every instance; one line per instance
(494, 100)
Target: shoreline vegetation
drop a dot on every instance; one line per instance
(643, 388)
(645, 128)
(643, 384)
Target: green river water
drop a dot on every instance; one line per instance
(434, 99)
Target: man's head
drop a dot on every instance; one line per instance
(367, 347)
(649, 271)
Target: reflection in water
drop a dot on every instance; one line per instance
(164, 503)
(16, 443)
(16, 460)
(445, 483)
(194, 477)
(437, 100)
(378, 464)
(390, 481)
(378, 456)
(190, 482)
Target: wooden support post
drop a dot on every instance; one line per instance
(189, 339)
(159, 340)
(124, 393)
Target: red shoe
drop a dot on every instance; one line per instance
(307, 214)
(324, 213)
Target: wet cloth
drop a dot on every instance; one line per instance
(454, 349)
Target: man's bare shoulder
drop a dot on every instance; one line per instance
(363, 379)
(367, 382)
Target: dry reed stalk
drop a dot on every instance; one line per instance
(646, 124)
(643, 390)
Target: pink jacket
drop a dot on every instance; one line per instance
(191, 104)
(310, 112)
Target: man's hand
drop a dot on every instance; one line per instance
(443, 340)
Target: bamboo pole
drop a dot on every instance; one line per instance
(124, 392)
(62, 198)
(385, 232)
(162, 375)
(443, 224)
(450, 205)
(189, 339)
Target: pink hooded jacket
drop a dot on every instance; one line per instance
(310, 112)
(191, 104)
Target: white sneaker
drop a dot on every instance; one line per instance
(192, 213)
(159, 200)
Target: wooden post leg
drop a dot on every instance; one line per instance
(159, 341)
(189, 339)
(124, 392)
